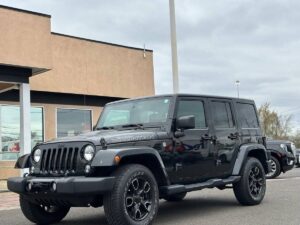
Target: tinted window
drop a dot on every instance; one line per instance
(247, 115)
(71, 122)
(222, 115)
(195, 108)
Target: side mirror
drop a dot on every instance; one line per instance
(186, 122)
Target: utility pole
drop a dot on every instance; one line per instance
(237, 83)
(174, 47)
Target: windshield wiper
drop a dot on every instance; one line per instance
(134, 125)
(105, 128)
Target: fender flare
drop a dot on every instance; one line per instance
(243, 153)
(106, 158)
(23, 162)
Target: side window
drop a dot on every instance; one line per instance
(222, 115)
(195, 108)
(247, 115)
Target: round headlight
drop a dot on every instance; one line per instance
(37, 155)
(284, 147)
(88, 152)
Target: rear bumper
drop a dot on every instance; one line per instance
(61, 186)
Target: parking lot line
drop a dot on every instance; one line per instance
(282, 179)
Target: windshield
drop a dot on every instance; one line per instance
(144, 112)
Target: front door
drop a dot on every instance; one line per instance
(227, 136)
(193, 152)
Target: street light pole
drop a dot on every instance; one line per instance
(174, 47)
(237, 83)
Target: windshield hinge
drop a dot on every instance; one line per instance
(103, 143)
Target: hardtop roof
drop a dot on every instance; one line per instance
(185, 95)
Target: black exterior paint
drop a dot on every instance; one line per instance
(195, 159)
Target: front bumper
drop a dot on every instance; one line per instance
(61, 186)
(288, 162)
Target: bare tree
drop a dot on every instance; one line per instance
(274, 125)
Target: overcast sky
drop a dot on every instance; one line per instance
(219, 42)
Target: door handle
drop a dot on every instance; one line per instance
(233, 136)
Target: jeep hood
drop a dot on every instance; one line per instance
(114, 136)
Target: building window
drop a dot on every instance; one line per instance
(10, 130)
(71, 122)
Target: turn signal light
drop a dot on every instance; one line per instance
(117, 159)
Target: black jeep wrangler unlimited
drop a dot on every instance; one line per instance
(145, 149)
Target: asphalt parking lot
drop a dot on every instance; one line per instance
(281, 206)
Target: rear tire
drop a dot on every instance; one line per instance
(134, 198)
(275, 168)
(251, 188)
(176, 197)
(42, 215)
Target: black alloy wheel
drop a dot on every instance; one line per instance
(251, 188)
(134, 198)
(256, 181)
(138, 198)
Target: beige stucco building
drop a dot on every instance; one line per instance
(70, 80)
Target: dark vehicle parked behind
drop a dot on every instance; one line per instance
(282, 157)
(145, 149)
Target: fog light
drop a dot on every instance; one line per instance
(87, 169)
(29, 186)
(53, 186)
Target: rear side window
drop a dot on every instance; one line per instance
(247, 115)
(192, 108)
(222, 114)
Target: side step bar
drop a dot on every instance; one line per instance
(178, 188)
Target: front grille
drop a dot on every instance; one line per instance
(59, 160)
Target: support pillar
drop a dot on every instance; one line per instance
(25, 124)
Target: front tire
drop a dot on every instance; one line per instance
(275, 168)
(134, 198)
(40, 214)
(251, 188)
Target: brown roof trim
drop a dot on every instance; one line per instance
(25, 11)
(101, 42)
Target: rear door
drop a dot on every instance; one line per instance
(248, 122)
(227, 136)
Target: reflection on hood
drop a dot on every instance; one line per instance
(114, 136)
